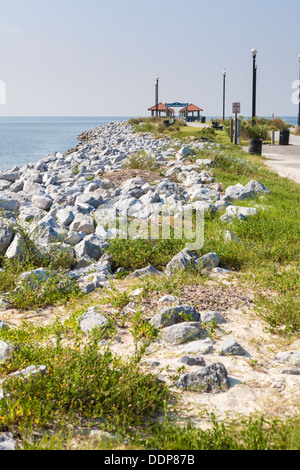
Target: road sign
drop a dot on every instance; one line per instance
(236, 108)
(176, 105)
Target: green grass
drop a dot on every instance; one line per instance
(268, 257)
(81, 381)
(59, 287)
(89, 387)
(250, 434)
(137, 253)
(140, 161)
(87, 383)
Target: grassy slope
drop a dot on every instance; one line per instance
(268, 258)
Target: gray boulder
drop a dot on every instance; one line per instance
(35, 278)
(6, 236)
(211, 379)
(183, 260)
(231, 237)
(6, 351)
(65, 217)
(16, 248)
(208, 261)
(202, 346)
(193, 361)
(83, 223)
(10, 176)
(10, 205)
(29, 372)
(241, 192)
(231, 347)
(144, 272)
(7, 441)
(91, 198)
(3, 325)
(238, 191)
(257, 187)
(168, 299)
(288, 357)
(87, 248)
(236, 211)
(291, 370)
(91, 319)
(208, 316)
(168, 316)
(42, 202)
(181, 332)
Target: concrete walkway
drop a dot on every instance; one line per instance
(285, 159)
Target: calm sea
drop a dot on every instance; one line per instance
(27, 139)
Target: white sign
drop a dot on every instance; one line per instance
(236, 108)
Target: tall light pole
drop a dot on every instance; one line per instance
(299, 93)
(254, 52)
(156, 94)
(224, 77)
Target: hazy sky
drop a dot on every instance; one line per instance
(100, 57)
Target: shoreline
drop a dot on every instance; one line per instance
(209, 335)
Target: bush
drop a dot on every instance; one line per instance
(297, 130)
(256, 132)
(78, 381)
(138, 253)
(140, 161)
(56, 288)
(277, 124)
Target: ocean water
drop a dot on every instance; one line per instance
(26, 140)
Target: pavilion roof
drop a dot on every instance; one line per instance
(160, 107)
(191, 107)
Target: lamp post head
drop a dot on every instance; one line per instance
(254, 52)
(299, 57)
(224, 73)
(157, 78)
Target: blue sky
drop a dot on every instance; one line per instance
(100, 58)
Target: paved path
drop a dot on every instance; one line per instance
(285, 159)
(198, 124)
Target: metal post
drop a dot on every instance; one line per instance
(299, 93)
(231, 130)
(156, 95)
(273, 137)
(238, 131)
(254, 52)
(224, 76)
(235, 130)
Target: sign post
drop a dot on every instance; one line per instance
(236, 109)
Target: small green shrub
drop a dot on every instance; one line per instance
(140, 161)
(57, 288)
(248, 434)
(137, 253)
(79, 381)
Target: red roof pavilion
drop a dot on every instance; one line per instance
(161, 109)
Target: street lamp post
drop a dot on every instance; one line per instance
(254, 52)
(299, 93)
(156, 94)
(224, 77)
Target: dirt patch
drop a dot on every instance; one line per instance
(205, 297)
(120, 176)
